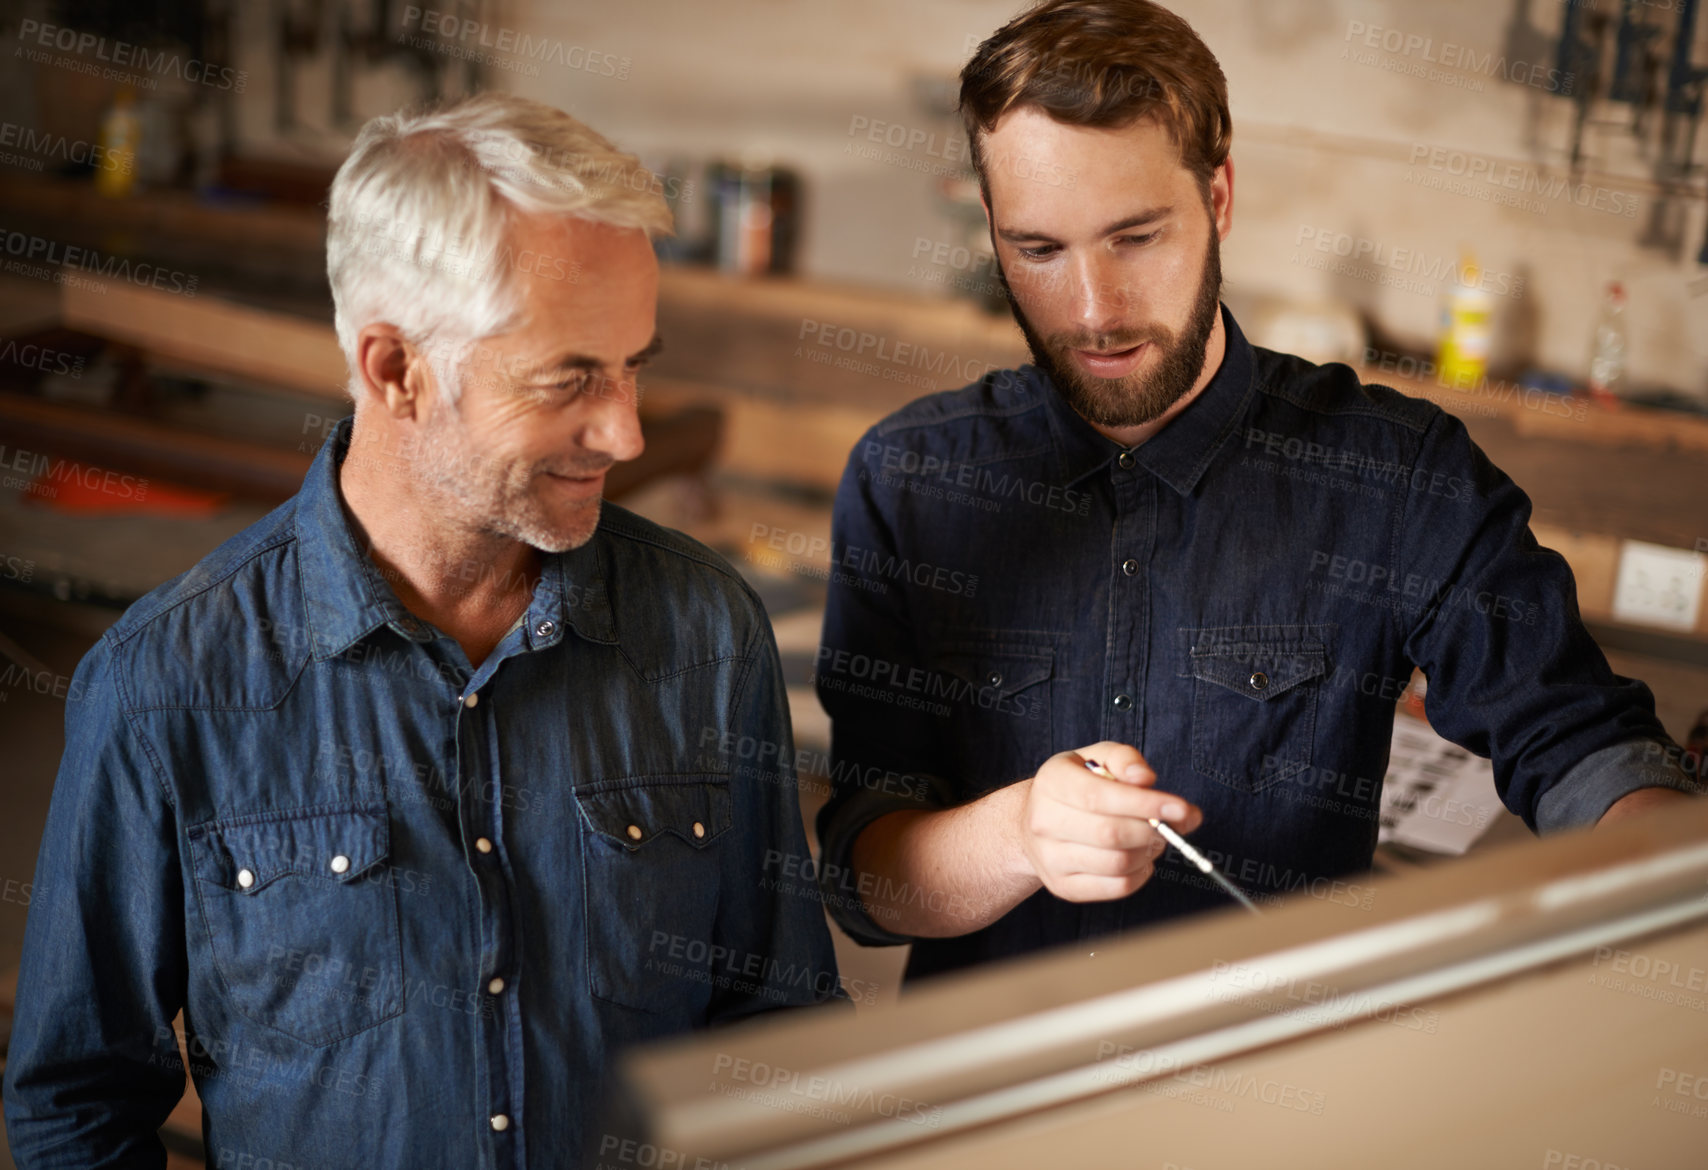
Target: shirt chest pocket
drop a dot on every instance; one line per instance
(997, 696)
(651, 855)
(302, 923)
(1254, 704)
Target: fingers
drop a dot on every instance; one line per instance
(1082, 888)
(1068, 860)
(1120, 760)
(1067, 825)
(1081, 857)
(1065, 780)
(1087, 837)
(1077, 874)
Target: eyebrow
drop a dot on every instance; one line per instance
(581, 361)
(1142, 219)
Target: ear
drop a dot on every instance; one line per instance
(1222, 198)
(392, 373)
(989, 220)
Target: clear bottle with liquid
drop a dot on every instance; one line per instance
(1607, 383)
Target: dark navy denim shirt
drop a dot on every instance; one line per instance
(409, 911)
(1242, 597)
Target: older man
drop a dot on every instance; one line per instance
(399, 796)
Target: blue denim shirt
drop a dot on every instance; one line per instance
(1242, 597)
(409, 910)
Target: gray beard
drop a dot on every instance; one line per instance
(495, 498)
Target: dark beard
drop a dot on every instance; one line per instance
(1137, 398)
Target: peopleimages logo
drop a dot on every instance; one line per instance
(18, 569)
(42, 475)
(451, 34)
(788, 1082)
(1492, 179)
(49, 255)
(27, 355)
(123, 54)
(1416, 53)
(45, 145)
(879, 356)
(1409, 261)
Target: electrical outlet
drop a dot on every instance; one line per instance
(1659, 586)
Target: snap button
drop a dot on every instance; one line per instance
(471, 699)
(995, 678)
(496, 986)
(500, 1122)
(483, 845)
(1259, 681)
(635, 832)
(545, 629)
(1129, 566)
(340, 864)
(1123, 702)
(245, 879)
(699, 829)
(1126, 461)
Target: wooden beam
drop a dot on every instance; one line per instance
(154, 449)
(212, 335)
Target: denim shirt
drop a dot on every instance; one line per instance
(409, 910)
(1242, 597)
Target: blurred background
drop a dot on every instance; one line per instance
(1497, 204)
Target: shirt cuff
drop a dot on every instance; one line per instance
(1583, 795)
(841, 886)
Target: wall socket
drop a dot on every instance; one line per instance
(1659, 586)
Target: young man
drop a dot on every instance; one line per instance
(397, 795)
(1158, 517)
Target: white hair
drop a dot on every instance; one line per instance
(419, 219)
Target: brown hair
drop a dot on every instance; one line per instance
(1102, 63)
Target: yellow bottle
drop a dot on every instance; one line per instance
(1467, 331)
(121, 130)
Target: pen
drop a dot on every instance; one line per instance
(1185, 847)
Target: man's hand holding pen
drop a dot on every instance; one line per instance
(1089, 838)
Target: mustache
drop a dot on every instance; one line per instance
(581, 469)
(1106, 343)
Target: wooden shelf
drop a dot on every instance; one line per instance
(1534, 415)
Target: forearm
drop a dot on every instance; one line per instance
(1638, 802)
(949, 872)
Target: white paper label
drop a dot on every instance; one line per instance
(1659, 586)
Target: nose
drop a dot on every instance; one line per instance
(613, 424)
(1099, 298)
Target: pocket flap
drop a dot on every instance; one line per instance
(634, 811)
(1004, 669)
(1258, 671)
(338, 843)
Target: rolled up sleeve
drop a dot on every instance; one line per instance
(885, 754)
(1513, 673)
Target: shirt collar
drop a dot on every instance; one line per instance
(1180, 452)
(346, 598)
